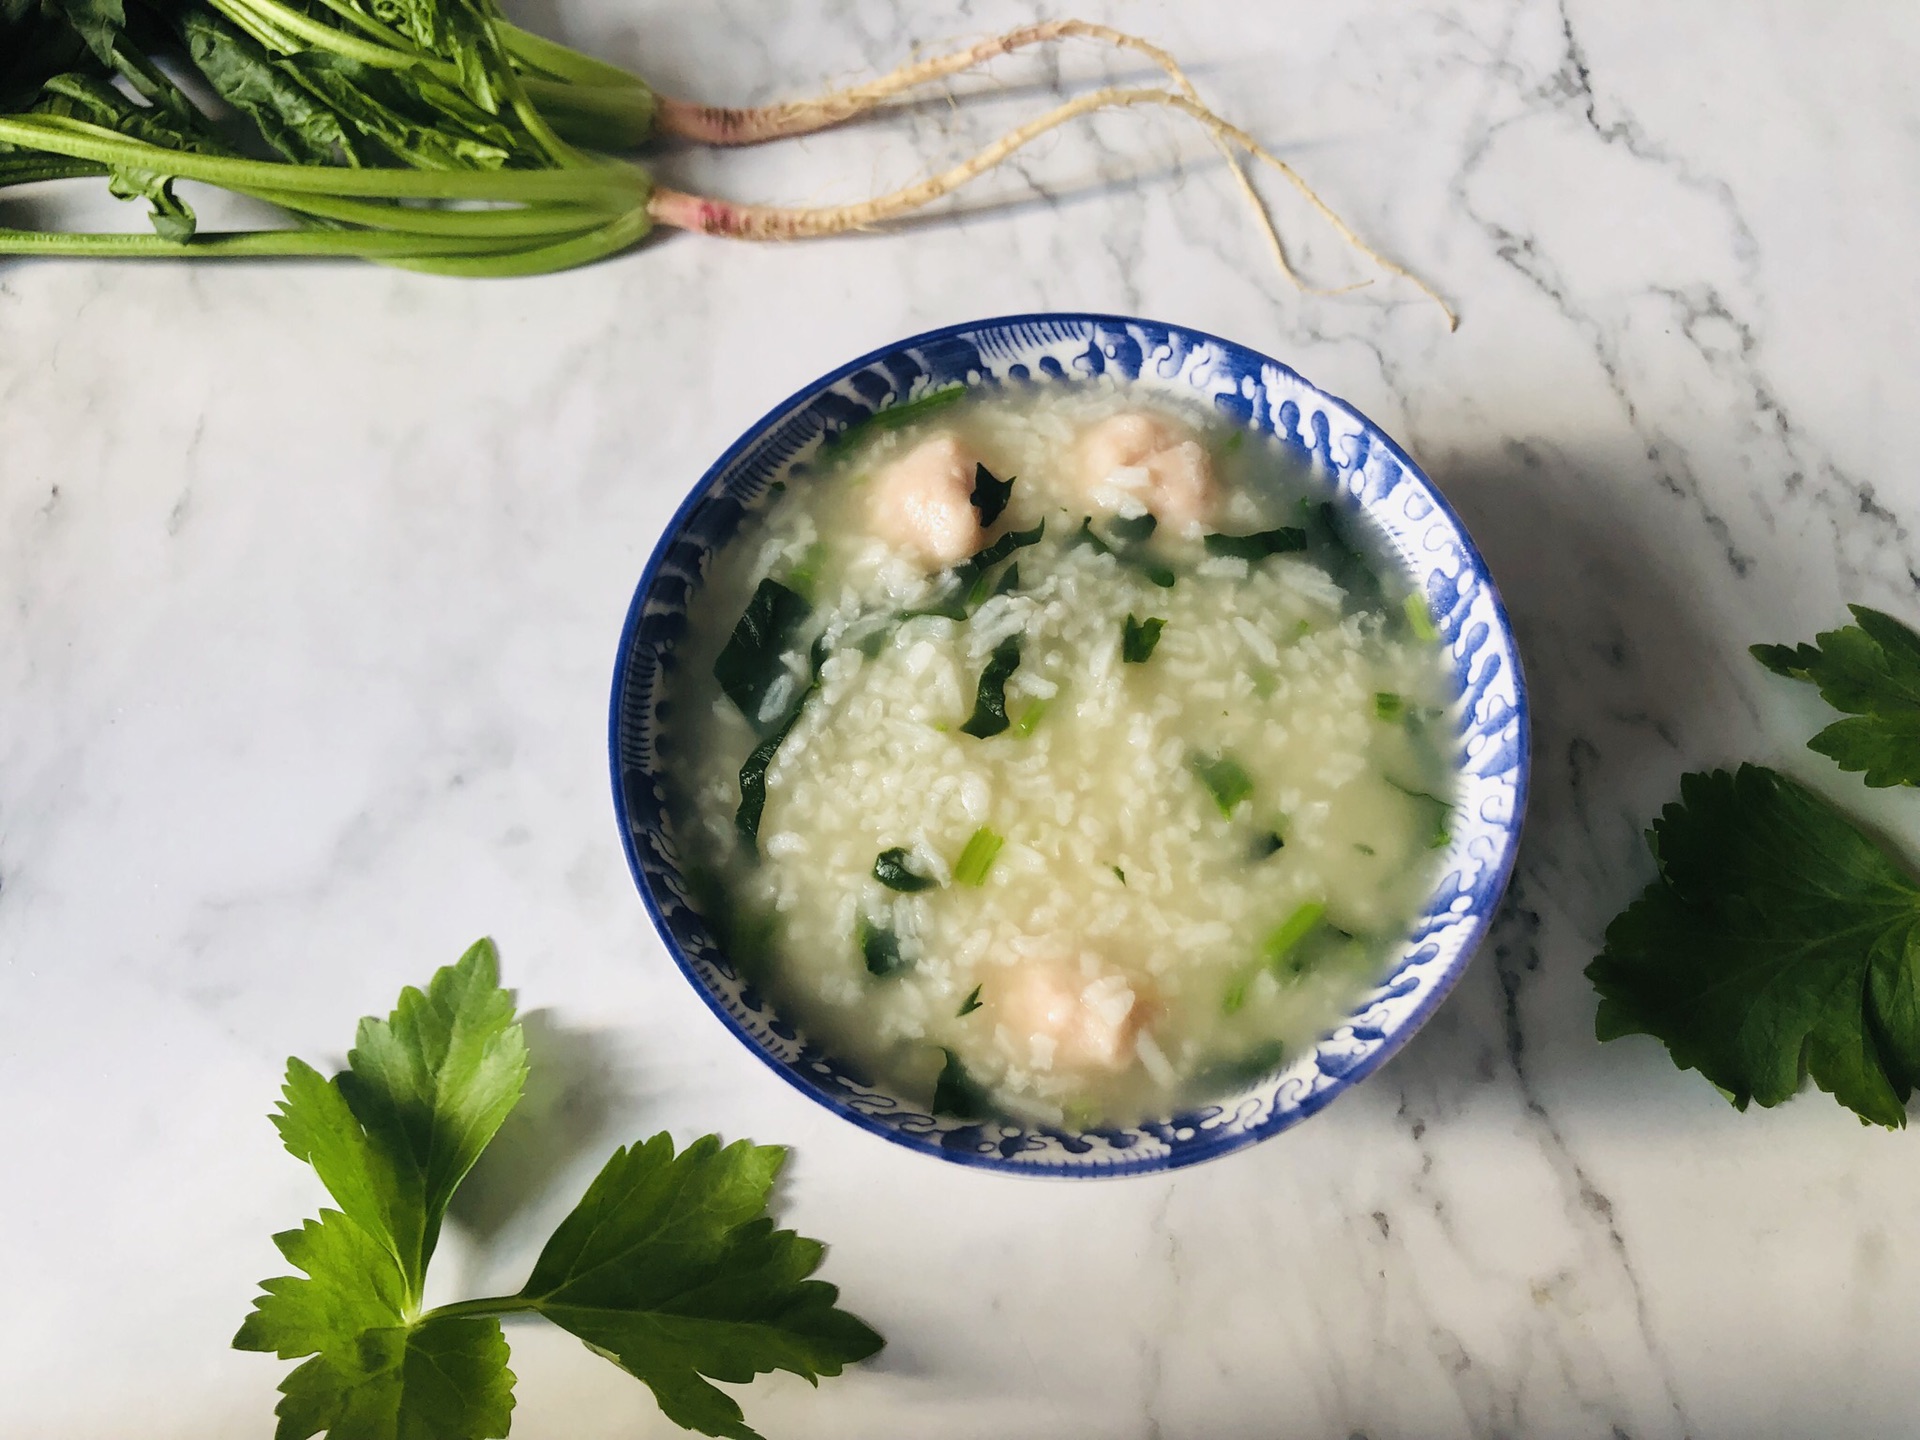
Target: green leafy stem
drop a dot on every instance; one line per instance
(438, 137)
(571, 203)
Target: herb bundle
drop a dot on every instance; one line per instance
(668, 1266)
(436, 135)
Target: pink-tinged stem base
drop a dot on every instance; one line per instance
(708, 216)
(725, 125)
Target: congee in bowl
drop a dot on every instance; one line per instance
(1058, 754)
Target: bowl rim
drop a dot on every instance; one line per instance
(1173, 1158)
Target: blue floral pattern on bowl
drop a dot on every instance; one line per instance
(1345, 452)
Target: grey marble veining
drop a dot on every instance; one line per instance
(310, 580)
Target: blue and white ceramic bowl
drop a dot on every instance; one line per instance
(1347, 454)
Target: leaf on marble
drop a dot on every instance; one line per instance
(1871, 671)
(669, 1267)
(351, 1283)
(1778, 942)
(375, 1374)
(424, 1091)
(444, 1377)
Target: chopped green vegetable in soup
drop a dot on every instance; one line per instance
(974, 862)
(1081, 839)
(752, 663)
(1139, 638)
(1225, 780)
(879, 946)
(990, 706)
(892, 870)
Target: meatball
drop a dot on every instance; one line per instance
(1068, 1021)
(1152, 462)
(923, 503)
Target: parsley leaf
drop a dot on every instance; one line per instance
(669, 1268)
(317, 1126)
(351, 1284)
(391, 1137)
(444, 1377)
(1778, 941)
(423, 1093)
(1870, 670)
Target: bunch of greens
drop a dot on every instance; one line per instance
(668, 1266)
(436, 135)
(1780, 940)
(425, 133)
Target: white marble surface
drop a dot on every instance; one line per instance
(310, 580)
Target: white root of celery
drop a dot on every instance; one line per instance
(768, 222)
(719, 125)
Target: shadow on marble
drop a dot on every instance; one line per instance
(35, 207)
(575, 1085)
(1135, 190)
(1618, 671)
(1618, 665)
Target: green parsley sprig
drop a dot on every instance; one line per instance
(1780, 940)
(1869, 671)
(668, 1266)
